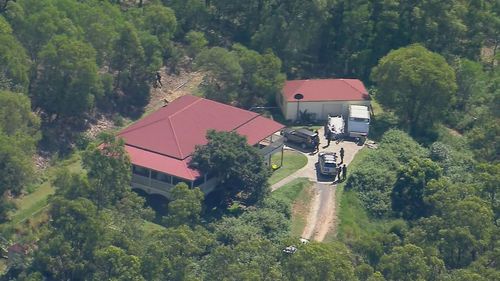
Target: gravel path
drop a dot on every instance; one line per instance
(322, 216)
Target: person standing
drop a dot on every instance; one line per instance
(328, 137)
(341, 155)
(158, 79)
(344, 172)
(316, 141)
(337, 176)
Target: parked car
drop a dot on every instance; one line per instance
(303, 137)
(327, 163)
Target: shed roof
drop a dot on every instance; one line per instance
(326, 90)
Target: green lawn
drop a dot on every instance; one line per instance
(298, 194)
(292, 161)
(31, 204)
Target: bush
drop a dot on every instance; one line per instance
(374, 185)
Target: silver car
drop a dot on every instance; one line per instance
(327, 163)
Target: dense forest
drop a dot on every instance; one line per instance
(430, 190)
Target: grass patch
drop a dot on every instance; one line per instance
(292, 161)
(30, 205)
(298, 194)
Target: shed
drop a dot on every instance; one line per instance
(321, 97)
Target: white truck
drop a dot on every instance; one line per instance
(358, 123)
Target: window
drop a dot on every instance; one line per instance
(137, 170)
(365, 120)
(159, 176)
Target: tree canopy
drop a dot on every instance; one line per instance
(417, 84)
(238, 166)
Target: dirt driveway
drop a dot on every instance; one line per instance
(322, 216)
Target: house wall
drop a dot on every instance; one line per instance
(144, 181)
(321, 109)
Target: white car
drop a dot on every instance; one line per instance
(327, 163)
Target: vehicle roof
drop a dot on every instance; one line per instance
(359, 111)
(306, 132)
(328, 157)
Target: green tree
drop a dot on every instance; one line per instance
(262, 78)
(409, 263)
(113, 263)
(128, 52)
(108, 169)
(417, 84)
(18, 136)
(489, 177)
(238, 166)
(16, 117)
(38, 22)
(374, 184)
(14, 62)
(469, 229)
(185, 207)
(408, 191)
(71, 185)
(317, 261)
(196, 42)
(254, 259)
(160, 21)
(293, 29)
(66, 251)
(68, 81)
(224, 74)
(190, 14)
(174, 253)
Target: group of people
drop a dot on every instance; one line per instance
(328, 136)
(341, 169)
(341, 174)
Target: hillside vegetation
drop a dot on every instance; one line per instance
(423, 206)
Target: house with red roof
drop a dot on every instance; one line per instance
(161, 144)
(321, 97)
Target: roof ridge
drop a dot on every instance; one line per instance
(186, 107)
(172, 126)
(344, 80)
(246, 122)
(175, 136)
(128, 130)
(154, 151)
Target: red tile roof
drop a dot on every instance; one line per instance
(162, 163)
(165, 139)
(326, 90)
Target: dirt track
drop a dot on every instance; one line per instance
(322, 217)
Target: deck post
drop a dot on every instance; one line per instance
(149, 177)
(282, 148)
